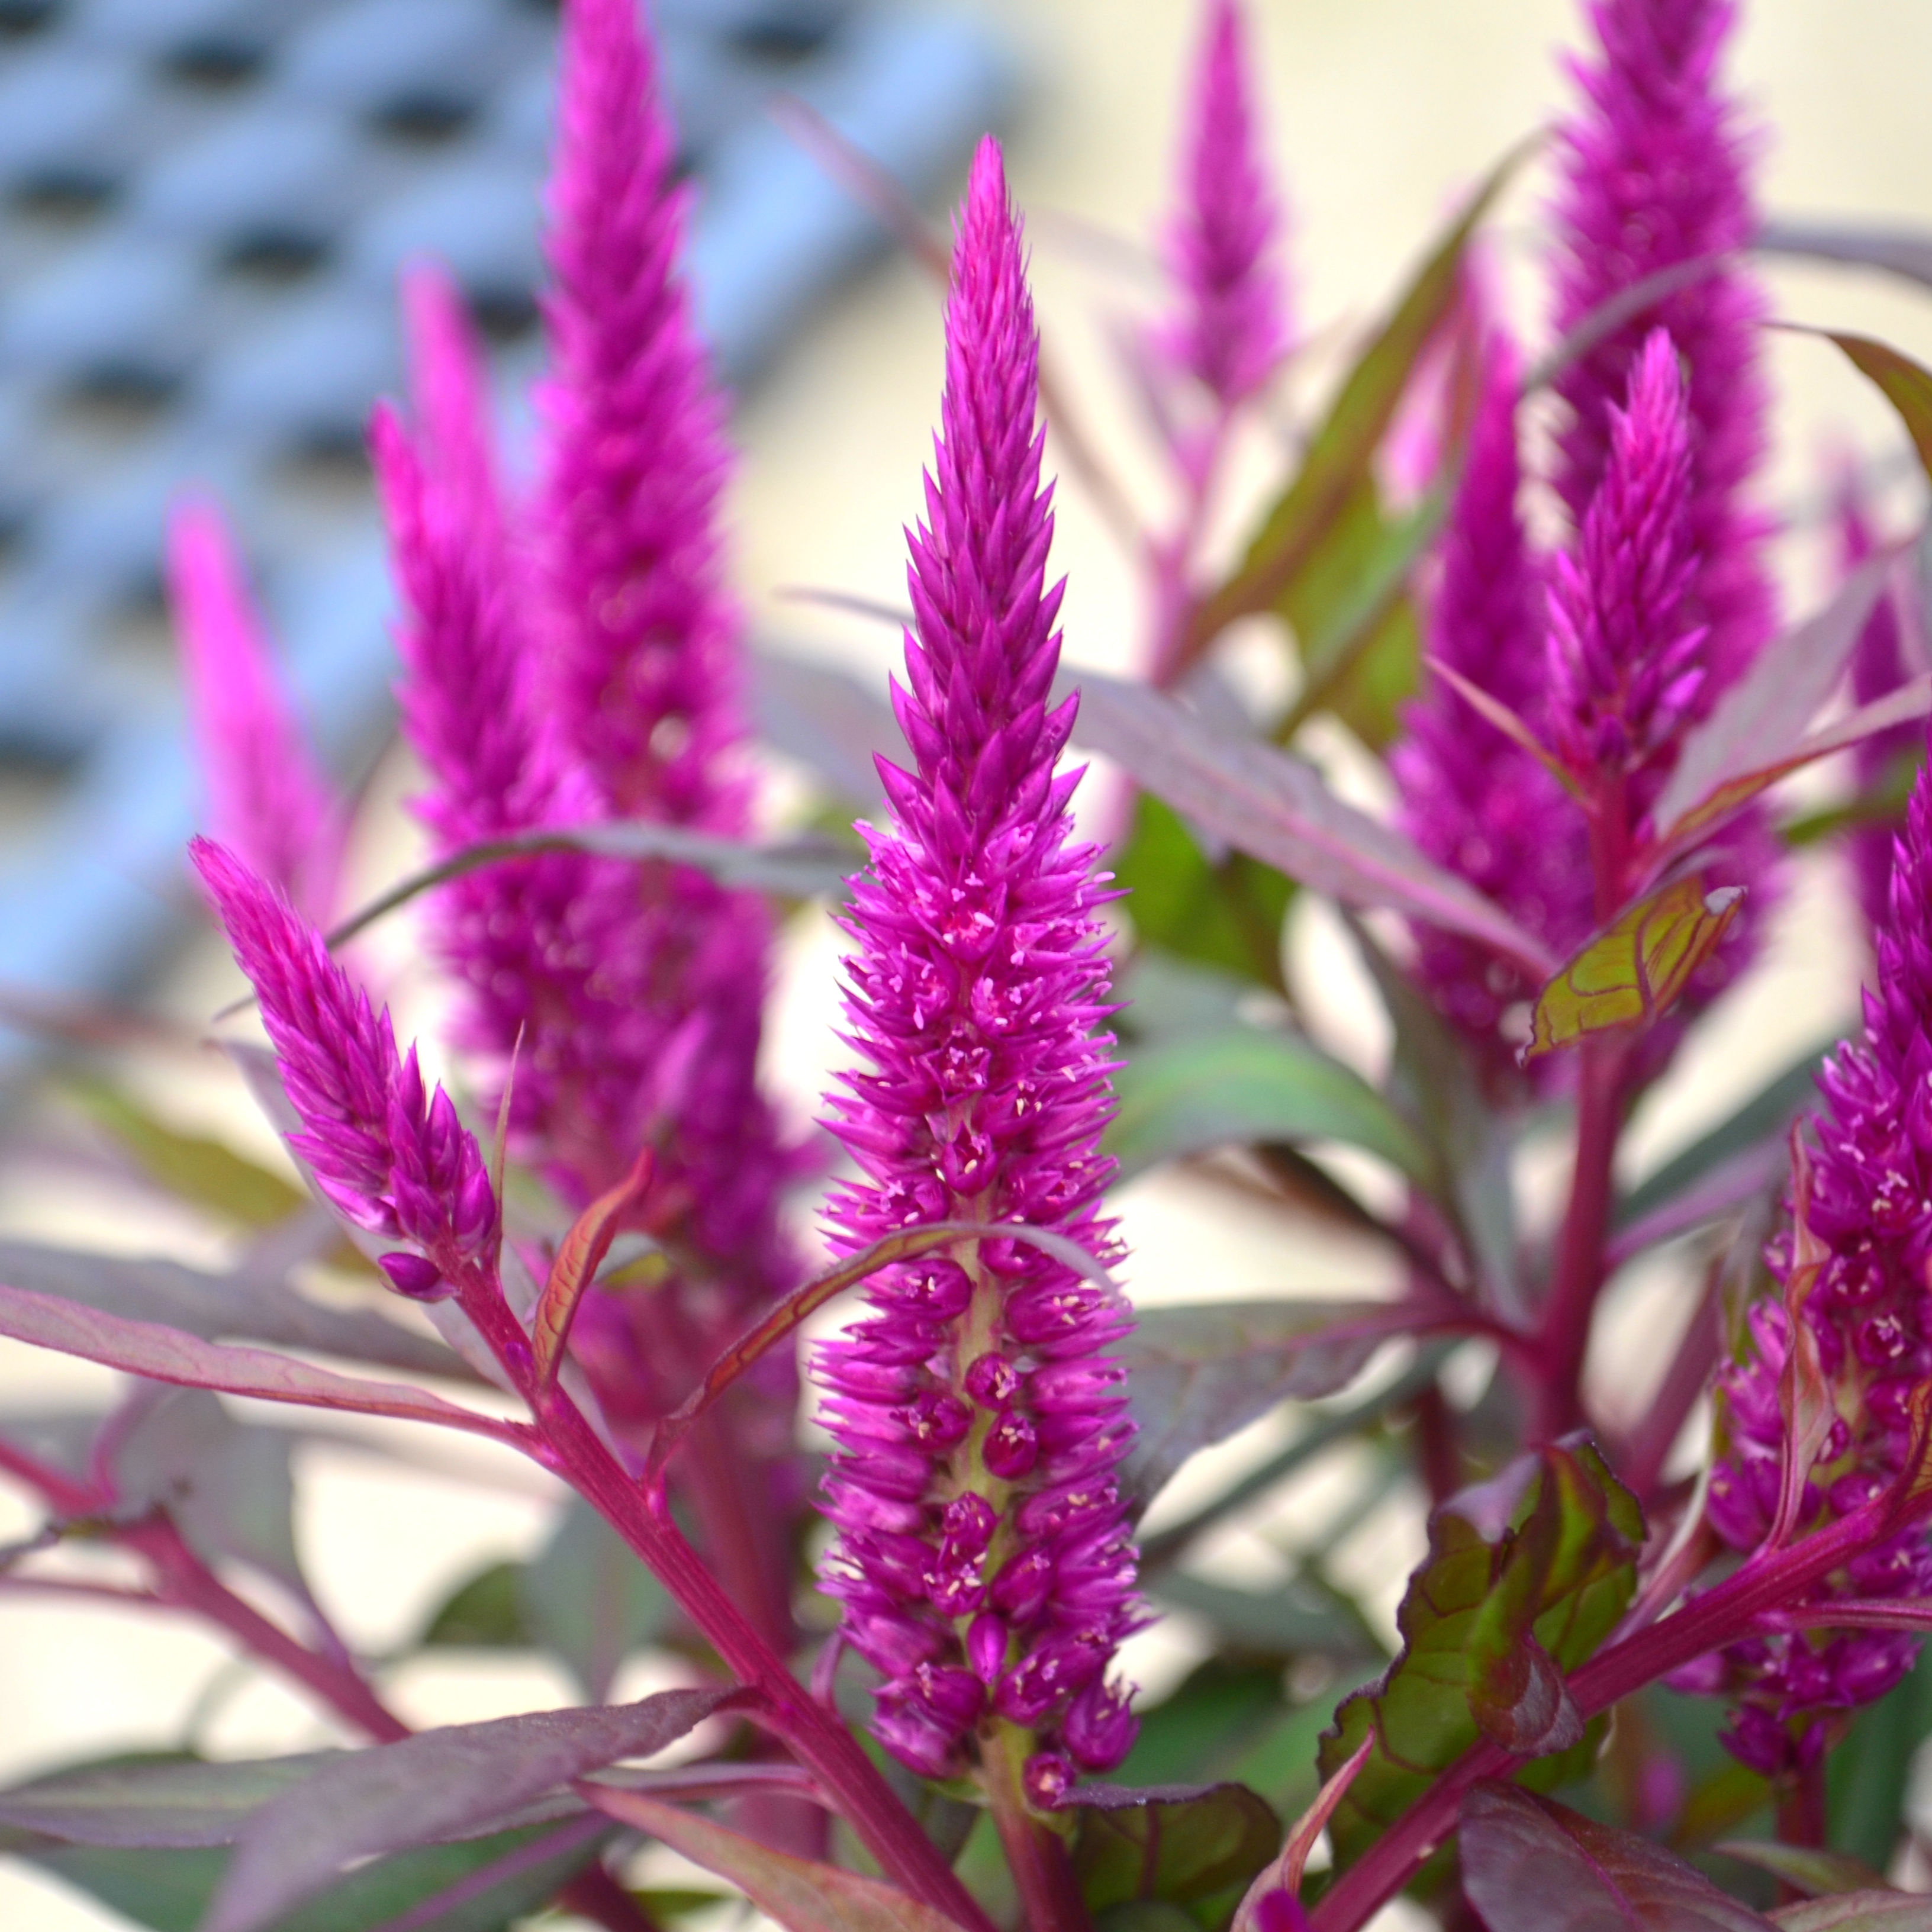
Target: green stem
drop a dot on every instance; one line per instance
(1049, 1892)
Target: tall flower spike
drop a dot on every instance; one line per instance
(1472, 799)
(267, 797)
(395, 1161)
(1871, 1206)
(1653, 175)
(983, 1558)
(1878, 669)
(1223, 243)
(1626, 663)
(647, 679)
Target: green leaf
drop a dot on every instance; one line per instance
(802, 1894)
(171, 1890)
(208, 1172)
(1226, 914)
(1868, 1775)
(1629, 976)
(1857, 1912)
(1202, 1371)
(1196, 1852)
(1806, 1869)
(1540, 1562)
(1341, 450)
(1763, 1121)
(1219, 1712)
(588, 1600)
(485, 1611)
(1246, 1084)
(159, 1799)
(1906, 385)
(1529, 1865)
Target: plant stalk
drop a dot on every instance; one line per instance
(1049, 1895)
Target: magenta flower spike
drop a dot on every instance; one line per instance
(984, 1559)
(1653, 175)
(1867, 1313)
(394, 1161)
(1223, 243)
(647, 674)
(1471, 797)
(267, 797)
(1626, 662)
(1878, 669)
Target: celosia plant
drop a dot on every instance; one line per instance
(914, 1706)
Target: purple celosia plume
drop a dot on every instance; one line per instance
(1878, 669)
(1223, 243)
(1653, 176)
(1870, 1205)
(267, 798)
(983, 1558)
(395, 1161)
(1626, 661)
(1473, 798)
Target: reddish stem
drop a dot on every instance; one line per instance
(844, 1771)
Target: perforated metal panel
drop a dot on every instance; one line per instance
(203, 207)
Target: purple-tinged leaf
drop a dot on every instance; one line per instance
(802, 1894)
(437, 1785)
(1804, 1395)
(1201, 1371)
(1807, 1869)
(1905, 384)
(153, 1802)
(1197, 1848)
(1627, 977)
(1502, 1564)
(168, 1355)
(1276, 807)
(1906, 252)
(1908, 703)
(1284, 1875)
(579, 1256)
(1762, 718)
(244, 1306)
(1495, 711)
(1857, 1912)
(1529, 1865)
(828, 721)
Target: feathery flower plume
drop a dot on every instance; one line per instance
(395, 1161)
(1223, 242)
(1654, 175)
(267, 797)
(646, 640)
(1878, 669)
(983, 1559)
(1626, 662)
(1471, 798)
(1871, 1206)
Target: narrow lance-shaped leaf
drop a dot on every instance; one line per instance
(439, 1784)
(1243, 1085)
(1529, 1865)
(578, 1257)
(1906, 252)
(1275, 806)
(1905, 384)
(1629, 975)
(1341, 450)
(801, 1894)
(1452, 1684)
(1804, 1396)
(168, 1355)
(1285, 1873)
(156, 1801)
(1809, 1870)
(1762, 718)
(1201, 1371)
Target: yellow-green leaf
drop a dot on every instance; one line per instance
(1907, 385)
(1631, 973)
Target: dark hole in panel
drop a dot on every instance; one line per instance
(278, 255)
(778, 42)
(215, 62)
(504, 313)
(422, 118)
(19, 18)
(63, 194)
